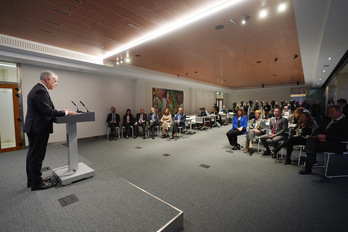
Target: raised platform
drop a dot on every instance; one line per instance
(105, 202)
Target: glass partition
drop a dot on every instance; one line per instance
(8, 72)
(7, 123)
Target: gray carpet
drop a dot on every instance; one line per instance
(237, 192)
(104, 203)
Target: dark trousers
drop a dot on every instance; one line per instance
(232, 136)
(313, 146)
(175, 127)
(113, 129)
(289, 144)
(128, 128)
(136, 128)
(35, 156)
(152, 128)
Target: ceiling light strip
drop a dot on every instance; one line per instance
(174, 26)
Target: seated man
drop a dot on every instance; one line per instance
(327, 137)
(278, 129)
(179, 121)
(140, 120)
(113, 121)
(224, 110)
(153, 120)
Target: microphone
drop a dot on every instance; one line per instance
(77, 108)
(84, 105)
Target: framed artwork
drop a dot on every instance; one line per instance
(166, 98)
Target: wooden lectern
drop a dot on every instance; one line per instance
(75, 170)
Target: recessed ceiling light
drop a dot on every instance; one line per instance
(232, 22)
(323, 70)
(263, 13)
(127, 60)
(282, 7)
(329, 58)
(320, 79)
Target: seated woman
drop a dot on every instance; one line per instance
(298, 136)
(256, 127)
(294, 119)
(128, 121)
(218, 119)
(166, 122)
(239, 125)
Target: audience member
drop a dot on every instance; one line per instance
(298, 136)
(278, 129)
(328, 137)
(293, 119)
(256, 127)
(256, 106)
(224, 110)
(179, 121)
(128, 121)
(140, 120)
(343, 103)
(239, 126)
(218, 119)
(202, 112)
(286, 111)
(113, 121)
(153, 120)
(315, 111)
(166, 122)
(267, 109)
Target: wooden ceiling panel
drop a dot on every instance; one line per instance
(260, 52)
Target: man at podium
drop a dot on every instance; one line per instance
(38, 125)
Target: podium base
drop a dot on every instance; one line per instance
(65, 177)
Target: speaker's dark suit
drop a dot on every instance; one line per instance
(181, 123)
(38, 125)
(137, 123)
(279, 128)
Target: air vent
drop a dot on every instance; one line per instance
(62, 12)
(326, 65)
(259, 61)
(57, 24)
(12, 42)
(49, 32)
(133, 26)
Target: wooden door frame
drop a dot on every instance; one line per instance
(16, 114)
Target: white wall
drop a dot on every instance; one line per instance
(261, 94)
(98, 93)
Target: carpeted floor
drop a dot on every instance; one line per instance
(104, 202)
(224, 190)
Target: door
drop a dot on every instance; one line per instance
(10, 131)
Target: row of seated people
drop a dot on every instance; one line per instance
(327, 137)
(113, 120)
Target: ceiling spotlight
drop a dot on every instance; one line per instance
(295, 56)
(127, 60)
(275, 59)
(282, 7)
(219, 27)
(263, 13)
(117, 63)
(121, 61)
(231, 21)
(245, 19)
(323, 70)
(329, 58)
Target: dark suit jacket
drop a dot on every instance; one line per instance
(155, 116)
(182, 120)
(131, 119)
(40, 112)
(336, 132)
(137, 118)
(117, 117)
(282, 126)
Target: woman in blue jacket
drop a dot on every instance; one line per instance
(239, 125)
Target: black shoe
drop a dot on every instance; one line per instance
(305, 171)
(28, 185)
(43, 185)
(144, 137)
(153, 137)
(127, 136)
(110, 138)
(135, 137)
(287, 162)
(274, 155)
(267, 152)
